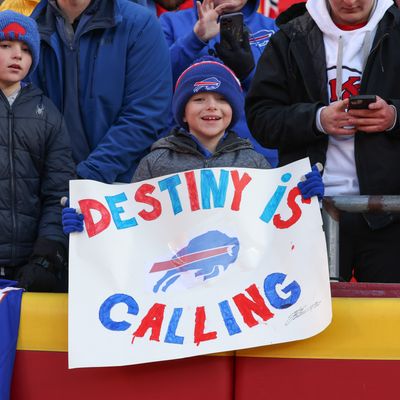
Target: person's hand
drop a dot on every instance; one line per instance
(335, 120)
(207, 26)
(311, 184)
(72, 221)
(236, 55)
(38, 276)
(379, 117)
(45, 269)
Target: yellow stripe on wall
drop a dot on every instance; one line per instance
(361, 329)
(44, 322)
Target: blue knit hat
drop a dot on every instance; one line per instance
(15, 26)
(207, 74)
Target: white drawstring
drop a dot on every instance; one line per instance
(339, 69)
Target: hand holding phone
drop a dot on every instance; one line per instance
(231, 28)
(380, 118)
(234, 48)
(361, 102)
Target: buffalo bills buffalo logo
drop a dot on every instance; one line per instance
(206, 84)
(205, 254)
(260, 38)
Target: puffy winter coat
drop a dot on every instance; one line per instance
(35, 168)
(179, 152)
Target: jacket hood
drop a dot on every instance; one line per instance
(297, 19)
(180, 141)
(351, 47)
(292, 12)
(319, 12)
(29, 92)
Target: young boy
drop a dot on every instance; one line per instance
(35, 166)
(208, 100)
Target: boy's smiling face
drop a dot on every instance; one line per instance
(15, 62)
(208, 115)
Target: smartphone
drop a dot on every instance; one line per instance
(361, 102)
(232, 23)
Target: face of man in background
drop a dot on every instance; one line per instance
(232, 5)
(350, 12)
(73, 8)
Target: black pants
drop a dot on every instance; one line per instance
(374, 255)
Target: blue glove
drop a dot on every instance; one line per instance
(312, 184)
(71, 221)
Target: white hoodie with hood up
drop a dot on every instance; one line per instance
(346, 55)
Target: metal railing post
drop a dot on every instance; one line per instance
(331, 207)
(330, 218)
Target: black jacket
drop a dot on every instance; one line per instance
(291, 84)
(35, 168)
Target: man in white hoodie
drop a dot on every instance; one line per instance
(298, 103)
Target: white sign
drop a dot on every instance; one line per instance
(193, 263)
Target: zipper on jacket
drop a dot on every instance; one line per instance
(379, 43)
(78, 81)
(94, 67)
(377, 46)
(12, 182)
(45, 51)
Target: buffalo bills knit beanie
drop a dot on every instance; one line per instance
(207, 74)
(15, 26)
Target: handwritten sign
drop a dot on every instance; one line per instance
(193, 263)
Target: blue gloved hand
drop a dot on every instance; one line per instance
(311, 184)
(72, 221)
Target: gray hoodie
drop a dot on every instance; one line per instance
(179, 152)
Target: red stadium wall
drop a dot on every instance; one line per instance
(356, 357)
(45, 375)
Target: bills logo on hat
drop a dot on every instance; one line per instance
(260, 38)
(14, 30)
(15, 26)
(207, 84)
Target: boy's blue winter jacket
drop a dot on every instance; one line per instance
(185, 47)
(124, 84)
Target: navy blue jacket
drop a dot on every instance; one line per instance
(124, 83)
(35, 168)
